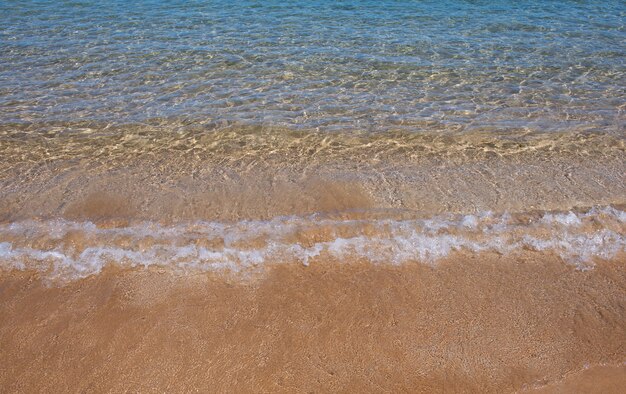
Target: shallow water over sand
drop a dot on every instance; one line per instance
(464, 66)
(150, 173)
(236, 199)
(335, 196)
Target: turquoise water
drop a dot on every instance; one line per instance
(369, 65)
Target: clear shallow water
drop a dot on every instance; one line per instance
(462, 66)
(218, 134)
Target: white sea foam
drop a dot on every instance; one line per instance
(69, 250)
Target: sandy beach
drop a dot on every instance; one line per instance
(162, 271)
(473, 323)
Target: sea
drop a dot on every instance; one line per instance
(229, 135)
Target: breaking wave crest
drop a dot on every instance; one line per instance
(67, 250)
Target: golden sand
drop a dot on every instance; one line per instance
(474, 323)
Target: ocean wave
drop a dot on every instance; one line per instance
(68, 250)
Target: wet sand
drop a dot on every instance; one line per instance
(472, 323)
(601, 379)
(458, 320)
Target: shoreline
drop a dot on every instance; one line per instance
(438, 263)
(495, 304)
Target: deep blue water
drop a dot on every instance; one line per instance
(369, 65)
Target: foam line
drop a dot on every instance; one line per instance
(68, 250)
